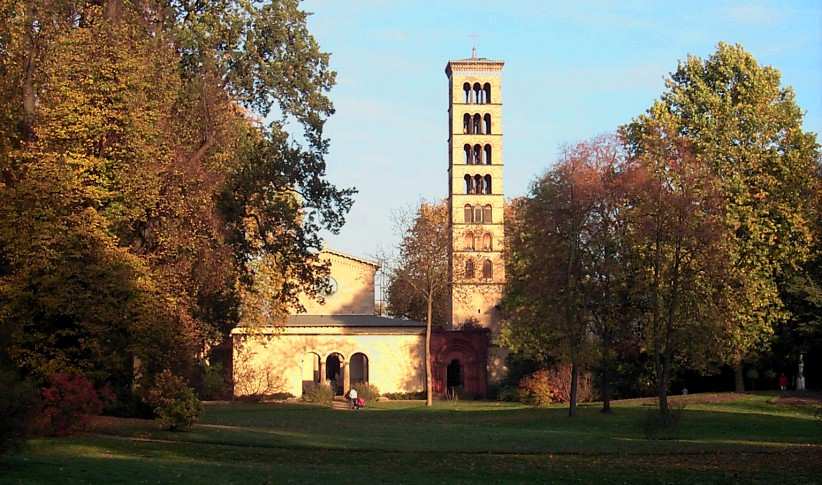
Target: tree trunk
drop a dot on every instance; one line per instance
(429, 391)
(606, 390)
(572, 403)
(739, 376)
(662, 390)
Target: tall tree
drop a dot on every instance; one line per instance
(747, 128)
(609, 265)
(682, 247)
(134, 160)
(423, 267)
(545, 288)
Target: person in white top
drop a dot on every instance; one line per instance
(352, 395)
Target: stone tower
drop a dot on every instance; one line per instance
(475, 192)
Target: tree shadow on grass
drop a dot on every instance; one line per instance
(522, 430)
(107, 459)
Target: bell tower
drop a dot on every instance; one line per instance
(475, 191)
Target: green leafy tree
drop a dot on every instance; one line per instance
(138, 186)
(740, 121)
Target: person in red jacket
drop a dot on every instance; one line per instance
(783, 381)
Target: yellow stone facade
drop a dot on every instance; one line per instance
(353, 279)
(339, 340)
(477, 237)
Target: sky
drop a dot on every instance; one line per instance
(573, 70)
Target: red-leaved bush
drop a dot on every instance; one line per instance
(547, 386)
(68, 402)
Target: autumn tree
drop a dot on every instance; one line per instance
(740, 121)
(139, 184)
(682, 248)
(421, 271)
(609, 264)
(544, 297)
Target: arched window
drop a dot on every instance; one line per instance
(486, 214)
(477, 215)
(486, 186)
(478, 184)
(488, 154)
(477, 155)
(469, 184)
(476, 128)
(487, 269)
(486, 242)
(478, 241)
(469, 213)
(467, 90)
(466, 124)
(469, 241)
(469, 268)
(358, 368)
(468, 158)
(487, 90)
(478, 93)
(487, 126)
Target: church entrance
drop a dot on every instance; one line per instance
(454, 377)
(334, 373)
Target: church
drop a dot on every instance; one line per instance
(343, 341)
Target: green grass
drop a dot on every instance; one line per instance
(723, 438)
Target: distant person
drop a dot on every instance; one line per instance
(684, 391)
(783, 381)
(353, 397)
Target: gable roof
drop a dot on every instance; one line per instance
(348, 256)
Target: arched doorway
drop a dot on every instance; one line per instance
(359, 368)
(334, 373)
(454, 377)
(310, 369)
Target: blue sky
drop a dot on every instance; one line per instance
(573, 70)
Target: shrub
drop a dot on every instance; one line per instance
(214, 385)
(366, 391)
(508, 393)
(174, 402)
(405, 396)
(18, 402)
(536, 388)
(318, 392)
(68, 401)
(659, 426)
(553, 386)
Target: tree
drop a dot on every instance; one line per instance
(682, 248)
(544, 296)
(609, 266)
(423, 267)
(739, 120)
(138, 186)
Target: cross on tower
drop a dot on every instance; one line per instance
(474, 37)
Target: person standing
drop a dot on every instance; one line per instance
(783, 381)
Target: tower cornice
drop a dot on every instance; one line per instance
(473, 64)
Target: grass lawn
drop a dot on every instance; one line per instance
(723, 438)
